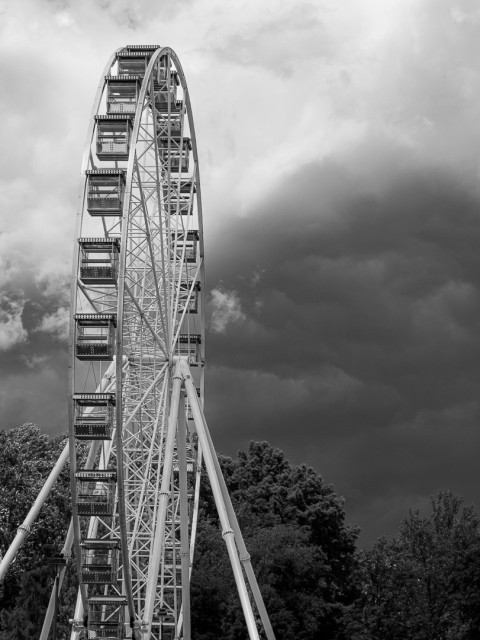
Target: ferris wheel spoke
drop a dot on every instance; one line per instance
(159, 524)
(150, 247)
(149, 145)
(184, 617)
(87, 296)
(144, 319)
(139, 404)
(158, 178)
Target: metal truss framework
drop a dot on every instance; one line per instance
(154, 296)
(137, 365)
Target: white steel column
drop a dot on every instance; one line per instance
(24, 529)
(47, 621)
(244, 555)
(227, 533)
(184, 542)
(159, 531)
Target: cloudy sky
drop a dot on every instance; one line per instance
(340, 160)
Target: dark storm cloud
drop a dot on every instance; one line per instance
(33, 360)
(359, 348)
(345, 302)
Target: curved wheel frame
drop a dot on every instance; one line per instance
(152, 289)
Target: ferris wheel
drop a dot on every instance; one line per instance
(138, 305)
(138, 438)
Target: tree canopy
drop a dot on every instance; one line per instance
(26, 458)
(302, 551)
(422, 584)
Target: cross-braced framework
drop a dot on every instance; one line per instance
(137, 363)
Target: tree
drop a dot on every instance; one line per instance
(411, 586)
(466, 587)
(26, 459)
(302, 550)
(293, 524)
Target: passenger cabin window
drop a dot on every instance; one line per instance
(179, 200)
(122, 96)
(95, 492)
(106, 617)
(99, 561)
(189, 297)
(184, 247)
(175, 154)
(161, 72)
(105, 192)
(93, 416)
(99, 260)
(189, 346)
(172, 107)
(95, 336)
(166, 90)
(179, 206)
(163, 94)
(113, 137)
(133, 66)
(166, 125)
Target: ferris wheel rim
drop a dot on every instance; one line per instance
(120, 358)
(73, 299)
(169, 341)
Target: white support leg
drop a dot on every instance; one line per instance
(66, 549)
(184, 542)
(159, 535)
(244, 555)
(227, 533)
(24, 529)
(47, 621)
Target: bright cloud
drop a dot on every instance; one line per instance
(227, 309)
(11, 327)
(56, 324)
